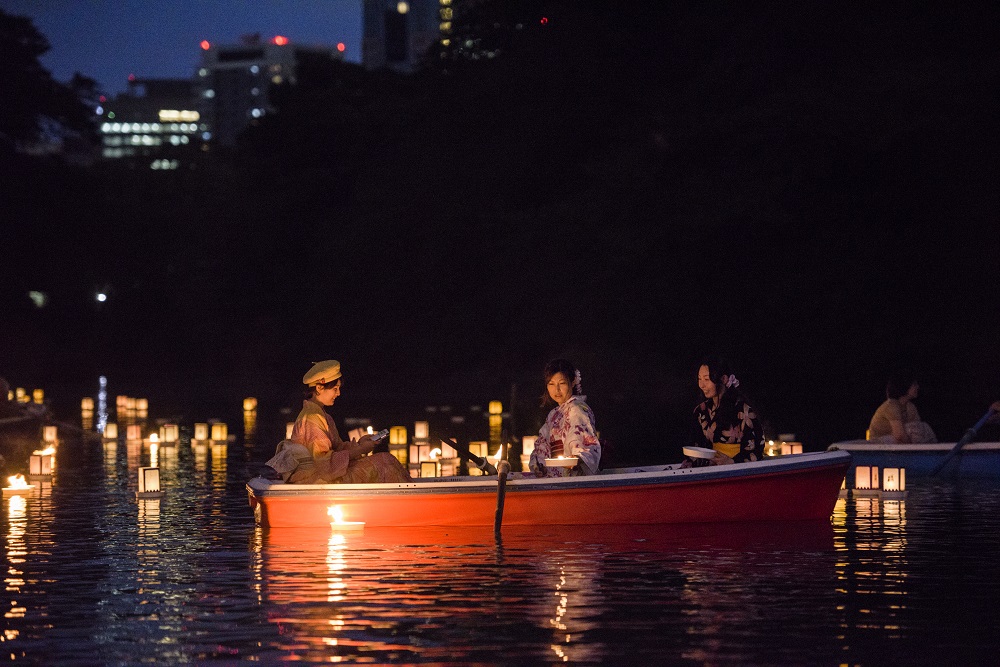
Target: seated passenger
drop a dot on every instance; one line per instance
(569, 428)
(897, 420)
(725, 421)
(315, 454)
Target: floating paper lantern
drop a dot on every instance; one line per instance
(149, 483)
(220, 431)
(791, 448)
(421, 431)
(420, 453)
(447, 451)
(249, 404)
(133, 432)
(894, 482)
(87, 404)
(40, 463)
(39, 396)
(49, 433)
(111, 431)
(479, 448)
(397, 435)
(201, 431)
(866, 478)
(169, 433)
(430, 469)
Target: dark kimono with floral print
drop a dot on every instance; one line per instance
(734, 421)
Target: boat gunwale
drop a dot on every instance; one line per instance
(263, 488)
(911, 448)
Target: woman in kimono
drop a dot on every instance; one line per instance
(725, 421)
(569, 428)
(315, 453)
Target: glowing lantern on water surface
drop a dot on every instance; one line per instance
(133, 432)
(496, 407)
(866, 479)
(421, 431)
(169, 433)
(479, 448)
(337, 521)
(249, 404)
(39, 396)
(430, 468)
(87, 404)
(49, 434)
(220, 431)
(111, 431)
(397, 435)
(420, 453)
(894, 482)
(141, 408)
(149, 483)
(41, 463)
(791, 448)
(201, 431)
(16, 485)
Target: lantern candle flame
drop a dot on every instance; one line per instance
(16, 484)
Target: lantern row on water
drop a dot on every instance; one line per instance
(868, 482)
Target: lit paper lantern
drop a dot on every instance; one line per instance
(49, 433)
(894, 479)
(40, 464)
(397, 435)
(111, 431)
(430, 468)
(39, 396)
(496, 407)
(479, 448)
(447, 451)
(421, 431)
(420, 453)
(149, 481)
(220, 431)
(866, 478)
(791, 448)
(87, 404)
(20, 396)
(528, 444)
(399, 451)
(201, 431)
(169, 433)
(133, 432)
(249, 404)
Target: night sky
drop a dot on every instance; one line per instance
(107, 40)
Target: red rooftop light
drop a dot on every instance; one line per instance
(280, 41)
(341, 47)
(205, 45)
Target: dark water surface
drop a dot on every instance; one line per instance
(93, 576)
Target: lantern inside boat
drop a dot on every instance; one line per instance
(397, 435)
(894, 479)
(201, 431)
(249, 404)
(421, 431)
(220, 431)
(111, 431)
(49, 433)
(149, 482)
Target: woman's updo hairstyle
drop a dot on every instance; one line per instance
(899, 384)
(569, 372)
(717, 367)
(310, 391)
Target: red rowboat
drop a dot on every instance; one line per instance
(787, 488)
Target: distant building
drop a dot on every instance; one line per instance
(234, 81)
(154, 124)
(400, 34)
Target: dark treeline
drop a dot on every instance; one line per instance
(807, 191)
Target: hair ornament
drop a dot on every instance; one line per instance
(732, 381)
(578, 382)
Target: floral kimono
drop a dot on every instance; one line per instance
(733, 422)
(568, 431)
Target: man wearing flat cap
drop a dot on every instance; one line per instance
(315, 452)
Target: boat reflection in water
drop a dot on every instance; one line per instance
(556, 593)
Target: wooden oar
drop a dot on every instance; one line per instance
(966, 439)
(502, 469)
(463, 452)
